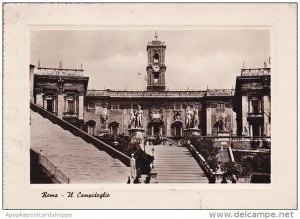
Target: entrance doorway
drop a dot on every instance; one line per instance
(177, 127)
(155, 128)
(256, 130)
(256, 126)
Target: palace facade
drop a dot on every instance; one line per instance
(243, 111)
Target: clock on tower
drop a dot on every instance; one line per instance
(156, 65)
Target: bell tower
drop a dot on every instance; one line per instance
(156, 68)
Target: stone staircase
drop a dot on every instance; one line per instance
(80, 161)
(175, 164)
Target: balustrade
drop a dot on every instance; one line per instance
(256, 71)
(59, 72)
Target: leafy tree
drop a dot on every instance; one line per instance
(205, 147)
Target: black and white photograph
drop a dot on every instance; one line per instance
(149, 106)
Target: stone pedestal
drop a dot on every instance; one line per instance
(191, 132)
(104, 132)
(223, 133)
(153, 176)
(136, 136)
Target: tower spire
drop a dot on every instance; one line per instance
(156, 35)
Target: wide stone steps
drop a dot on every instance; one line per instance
(80, 161)
(175, 164)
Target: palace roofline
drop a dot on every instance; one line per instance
(157, 94)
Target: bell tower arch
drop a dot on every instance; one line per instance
(156, 67)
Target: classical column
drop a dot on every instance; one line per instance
(250, 106)
(244, 112)
(208, 120)
(266, 112)
(233, 123)
(75, 105)
(60, 103)
(80, 106)
(152, 131)
(54, 105)
(250, 130)
(160, 131)
(149, 61)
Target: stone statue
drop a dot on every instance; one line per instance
(104, 119)
(132, 119)
(139, 117)
(150, 114)
(221, 123)
(177, 116)
(161, 113)
(189, 117)
(196, 119)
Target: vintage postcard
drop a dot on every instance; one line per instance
(129, 106)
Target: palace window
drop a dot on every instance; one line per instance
(255, 106)
(134, 106)
(220, 106)
(156, 107)
(114, 106)
(71, 106)
(91, 106)
(177, 106)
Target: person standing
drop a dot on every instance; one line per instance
(133, 167)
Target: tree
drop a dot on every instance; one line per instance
(205, 147)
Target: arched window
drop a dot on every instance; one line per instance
(114, 127)
(156, 58)
(90, 126)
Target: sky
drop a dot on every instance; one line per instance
(117, 59)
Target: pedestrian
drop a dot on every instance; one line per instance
(128, 181)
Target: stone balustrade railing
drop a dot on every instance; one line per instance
(255, 71)
(59, 176)
(220, 92)
(59, 72)
(172, 141)
(239, 138)
(203, 164)
(132, 93)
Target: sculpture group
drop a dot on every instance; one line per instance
(192, 118)
(136, 118)
(221, 123)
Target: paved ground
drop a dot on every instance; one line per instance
(78, 160)
(175, 164)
